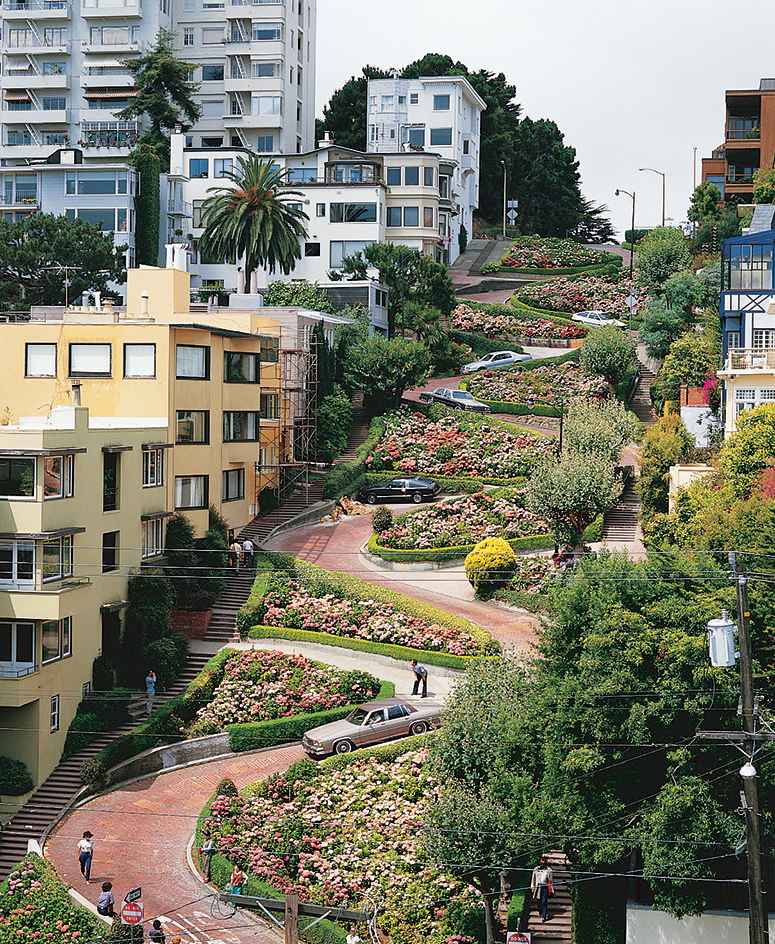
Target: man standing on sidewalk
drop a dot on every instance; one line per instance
(420, 675)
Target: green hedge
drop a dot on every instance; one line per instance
(346, 478)
(478, 343)
(253, 735)
(561, 317)
(528, 543)
(572, 270)
(600, 911)
(532, 602)
(98, 712)
(353, 588)
(516, 909)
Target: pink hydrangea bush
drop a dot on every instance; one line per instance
(296, 606)
(581, 293)
(347, 837)
(465, 520)
(259, 685)
(567, 380)
(539, 252)
(533, 574)
(499, 323)
(458, 444)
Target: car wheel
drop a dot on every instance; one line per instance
(419, 727)
(343, 747)
(371, 499)
(417, 498)
(459, 406)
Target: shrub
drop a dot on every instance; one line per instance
(100, 711)
(335, 415)
(103, 674)
(15, 779)
(226, 787)
(166, 656)
(382, 519)
(490, 564)
(92, 771)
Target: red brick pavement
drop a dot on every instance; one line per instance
(141, 832)
(335, 547)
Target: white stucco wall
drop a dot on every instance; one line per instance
(647, 926)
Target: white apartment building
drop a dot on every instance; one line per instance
(440, 114)
(63, 80)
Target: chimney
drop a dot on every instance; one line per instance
(76, 391)
(326, 141)
(144, 304)
(177, 256)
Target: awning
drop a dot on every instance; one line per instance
(111, 93)
(97, 62)
(17, 95)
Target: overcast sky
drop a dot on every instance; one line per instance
(630, 83)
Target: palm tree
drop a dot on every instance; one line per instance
(254, 219)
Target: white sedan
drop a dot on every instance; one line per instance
(597, 319)
(495, 359)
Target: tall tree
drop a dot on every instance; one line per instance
(594, 226)
(165, 93)
(704, 205)
(253, 218)
(345, 116)
(147, 163)
(610, 352)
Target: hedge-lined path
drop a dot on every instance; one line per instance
(141, 833)
(337, 547)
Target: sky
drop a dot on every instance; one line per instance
(630, 83)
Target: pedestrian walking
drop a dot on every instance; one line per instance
(249, 549)
(236, 554)
(353, 938)
(106, 902)
(150, 690)
(541, 886)
(237, 880)
(420, 675)
(206, 852)
(85, 853)
(156, 934)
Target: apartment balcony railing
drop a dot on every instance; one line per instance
(34, 6)
(739, 178)
(20, 198)
(180, 208)
(750, 359)
(14, 671)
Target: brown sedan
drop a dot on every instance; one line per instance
(383, 720)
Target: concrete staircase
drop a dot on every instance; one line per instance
(559, 928)
(223, 625)
(640, 404)
(621, 522)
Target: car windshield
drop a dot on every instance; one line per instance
(357, 716)
(461, 395)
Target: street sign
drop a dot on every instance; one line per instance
(518, 937)
(135, 894)
(512, 204)
(631, 301)
(132, 912)
(512, 215)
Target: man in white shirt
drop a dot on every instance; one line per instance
(540, 883)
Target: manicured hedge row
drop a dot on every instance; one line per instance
(346, 478)
(477, 342)
(251, 736)
(530, 542)
(561, 317)
(593, 269)
(353, 588)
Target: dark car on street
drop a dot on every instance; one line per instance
(399, 489)
(454, 399)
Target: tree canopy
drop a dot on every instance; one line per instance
(661, 252)
(385, 369)
(704, 205)
(610, 352)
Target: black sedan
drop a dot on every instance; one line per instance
(401, 489)
(455, 399)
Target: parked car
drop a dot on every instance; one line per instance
(597, 319)
(400, 489)
(495, 359)
(455, 399)
(376, 721)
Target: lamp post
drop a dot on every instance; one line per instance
(632, 231)
(663, 188)
(503, 165)
(559, 405)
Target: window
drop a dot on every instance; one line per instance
(466, 145)
(427, 216)
(212, 142)
(40, 360)
(85, 690)
(104, 219)
(58, 476)
(265, 142)
(266, 105)
(394, 216)
(54, 714)
(414, 98)
(54, 104)
(188, 35)
(57, 559)
(222, 167)
(110, 551)
(212, 73)
(749, 267)
(441, 102)
(17, 649)
(764, 338)
(411, 216)
(139, 360)
(444, 187)
(386, 103)
(90, 360)
(240, 426)
(95, 182)
(192, 362)
(733, 340)
(212, 109)
(211, 36)
(192, 426)
(338, 249)
(111, 467)
(265, 70)
(233, 486)
(270, 406)
(240, 368)
(153, 468)
(56, 36)
(311, 249)
(353, 212)
(267, 31)
(153, 537)
(191, 491)
(112, 35)
(197, 210)
(428, 176)
(402, 99)
(441, 137)
(412, 176)
(394, 176)
(17, 478)
(270, 350)
(417, 137)
(320, 209)
(17, 563)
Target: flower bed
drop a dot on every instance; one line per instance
(539, 252)
(580, 293)
(292, 604)
(464, 521)
(341, 834)
(549, 382)
(533, 574)
(511, 322)
(260, 686)
(455, 444)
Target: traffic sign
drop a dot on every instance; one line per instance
(132, 912)
(134, 894)
(512, 215)
(512, 204)
(631, 301)
(518, 937)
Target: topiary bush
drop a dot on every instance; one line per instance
(226, 787)
(15, 779)
(491, 564)
(92, 771)
(103, 674)
(382, 519)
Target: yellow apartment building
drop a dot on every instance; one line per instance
(82, 502)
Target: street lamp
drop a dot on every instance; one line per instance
(503, 165)
(632, 231)
(559, 405)
(663, 188)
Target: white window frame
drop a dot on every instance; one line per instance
(64, 640)
(64, 562)
(54, 714)
(153, 537)
(145, 357)
(40, 360)
(153, 468)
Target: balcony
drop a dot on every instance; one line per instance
(28, 80)
(180, 208)
(105, 8)
(115, 49)
(21, 200)
(749, 361)
(37, 10)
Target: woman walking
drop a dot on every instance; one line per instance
(85, 853)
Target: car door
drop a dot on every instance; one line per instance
(397, 489)
(398, 720)
(374, 728)
(501, 358)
